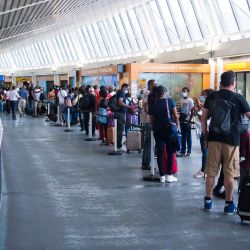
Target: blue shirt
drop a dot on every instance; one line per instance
(121, 94)
(159, 112)
(23, 93)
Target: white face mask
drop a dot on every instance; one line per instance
(184, 94)
(202, 99)
(126, 91)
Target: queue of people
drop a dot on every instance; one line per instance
(217, 129)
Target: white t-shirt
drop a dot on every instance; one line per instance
(186, 107)
(61, 94)
(14, 95)
(37, 94)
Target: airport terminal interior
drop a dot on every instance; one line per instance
(124, 124)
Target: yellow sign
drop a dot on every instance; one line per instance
(141, 83)
(235, 66)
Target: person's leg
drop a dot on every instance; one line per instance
(229, 187)
(101, 131)
(170, 153)
(189, 138)
(93, 125)
(120, 128)
(86, 122)
(81, 120)
(12, 108)
(204, 153)
(146, 155)
(210, 180)
(160, 150)
(183, 138)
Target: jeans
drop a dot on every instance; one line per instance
(86, 122)
(13, 105)
(146, 155)
(66, 115)
(161, 139)
(120, 128)
(204, 153)
(186, 140)
(7, 106)
(31, 106)
(1, 106)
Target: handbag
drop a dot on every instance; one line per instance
(173, 130)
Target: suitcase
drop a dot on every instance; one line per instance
(110, 135)
(134, 141)
(165, 158)
(52, 117)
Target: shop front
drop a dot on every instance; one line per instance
(242, 70)
(173, 76)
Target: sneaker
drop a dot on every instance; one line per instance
(219, 194)
(180, 155)
(199, 174)
(146, 167)
(171, 178)
(162, 179)
(208, 205)
(230, 209)
(188, 154)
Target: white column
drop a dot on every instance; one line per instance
(212, 73)
(13, 80)
(220, 70)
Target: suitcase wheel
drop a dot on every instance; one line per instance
(128, 151)
(139, 151)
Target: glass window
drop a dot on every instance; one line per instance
(226, 13)
(48, 52)
(129, 29)
(179, 20)
(56, 48)
(159, 26)
(88, 42)
(111, 49)
(31, 56)
(242, 13)
(61, 49)
(71, 47)
(117, 24)
(82, 43)
(240, 83)
(191, 20)
(94, 41)
(99, 38)
(26, 57)
(21, 58)
(66, 48)
(43, 55)
(114, 39)
(137, 29)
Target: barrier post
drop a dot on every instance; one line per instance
(115, 152)
(48, 112)
(58, 122)
(68, 122)
(152, 176)
(90, 128)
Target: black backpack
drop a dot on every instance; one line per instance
(84, 103)
(244, 198)
(222, 114)
(113, 104)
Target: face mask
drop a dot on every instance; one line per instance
(184, 94)
(202, 99)
(126, 91)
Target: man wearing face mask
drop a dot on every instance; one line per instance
(121, 98)
(187, 105)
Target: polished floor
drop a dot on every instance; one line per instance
(61, 192)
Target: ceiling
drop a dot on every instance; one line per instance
(23, 19)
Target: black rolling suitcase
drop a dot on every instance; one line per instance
(244, 198)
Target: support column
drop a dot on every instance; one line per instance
(220, 70)
(13, 78)
(212, 73)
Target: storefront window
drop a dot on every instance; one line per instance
(240, 83)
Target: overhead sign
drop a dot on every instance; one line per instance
(109, 70)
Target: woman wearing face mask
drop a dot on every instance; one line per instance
(197, 111)
(163, 113)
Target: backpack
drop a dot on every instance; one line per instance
(84, 103)
(222, 115)
(113, 104)
(244, 198)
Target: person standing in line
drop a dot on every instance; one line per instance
(23, 100)
(62, 93)
(31, 100)
(7, 100)
(225, 109)
(14, 96)
(121, 112)
(146, 155)
(165, 126)
(187, 105)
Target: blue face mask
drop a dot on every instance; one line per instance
(202, 99)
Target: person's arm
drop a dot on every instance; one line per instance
(204, 118)
(120, 103)
(176, 117)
